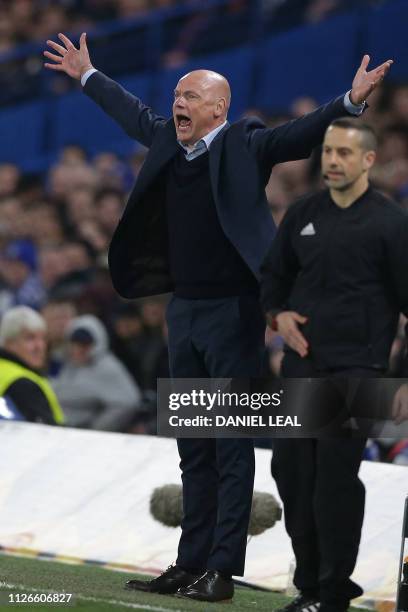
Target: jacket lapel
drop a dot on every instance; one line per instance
(162, 150)
(164, 147)
(215, 159)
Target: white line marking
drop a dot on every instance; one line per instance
(118, 602)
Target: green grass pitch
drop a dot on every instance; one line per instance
(101, 590)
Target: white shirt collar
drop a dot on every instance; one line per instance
(207, 139)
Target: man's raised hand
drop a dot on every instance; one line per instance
(68, 58)
(365, 82)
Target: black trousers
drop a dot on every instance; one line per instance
(215, 338)
(323, 498)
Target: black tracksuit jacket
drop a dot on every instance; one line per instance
(344, 269)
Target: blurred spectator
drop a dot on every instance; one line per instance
(317, 10)
(94, 388)
(22, 14)
(67, 176)
(97, 9)
(152, 312)
(52, 267)
(399, 104)
(72, 154)
(23, 348)
(132, 8)
(11, 216)
(9, 177)
(8, 37)
(18, 270)
(206, 29)
(50, 20)
(92, 233)
(44, 226)
(302, 106)
(139, 341)
(57, 314)
(127, 339)
(287, 183)
(111, 172)
(109, 206)
(393, 144)
(66, 269)
(80, 205)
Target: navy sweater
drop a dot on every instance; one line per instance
(203, 262)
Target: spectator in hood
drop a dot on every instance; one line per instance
(94, 387)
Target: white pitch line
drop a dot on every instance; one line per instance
(118, 602)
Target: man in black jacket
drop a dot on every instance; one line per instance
(197, 223)
(334, 283)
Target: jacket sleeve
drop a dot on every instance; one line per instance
(295, 139)
(31, 401)
(137, 119)
(280, 267)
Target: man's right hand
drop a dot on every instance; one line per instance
(287, 327)
(74, 62)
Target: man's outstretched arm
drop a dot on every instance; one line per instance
(132, 115)
(297, 139)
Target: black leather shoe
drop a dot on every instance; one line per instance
(211, 586)
(302, 603)
(167, 583)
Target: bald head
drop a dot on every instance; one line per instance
(214, 83)
(201, 102)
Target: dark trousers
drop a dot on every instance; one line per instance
(215, 338)
(323, 498)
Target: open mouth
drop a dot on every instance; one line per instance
(183, 122)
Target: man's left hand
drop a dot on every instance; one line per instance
(365, 82)
(400, 405)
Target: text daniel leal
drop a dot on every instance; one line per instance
(249, 420)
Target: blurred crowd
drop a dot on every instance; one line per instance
(128, 36)
(24, 21)
(54, 235)
(35, 20)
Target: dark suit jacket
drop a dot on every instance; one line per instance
(241, 158)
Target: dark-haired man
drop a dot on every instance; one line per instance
(334, 283)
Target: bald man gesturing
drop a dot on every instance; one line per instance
(197, 223)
